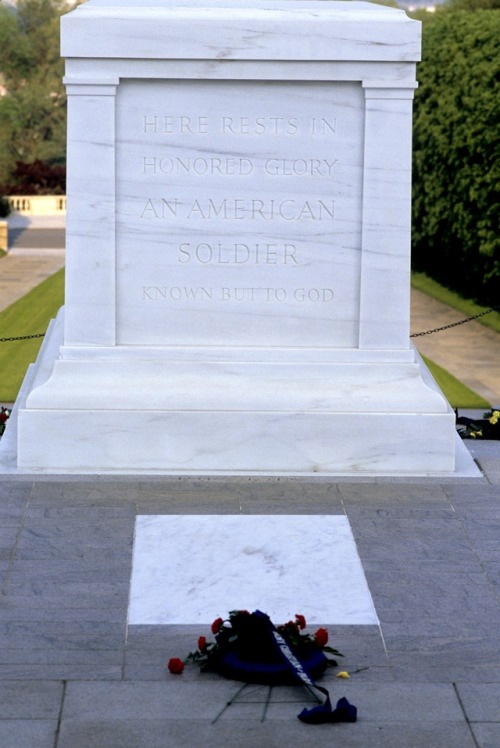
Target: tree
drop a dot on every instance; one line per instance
(14, 49)
(474, 4)
(33, 111)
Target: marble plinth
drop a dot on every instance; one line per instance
(193, 569)
(245, 417)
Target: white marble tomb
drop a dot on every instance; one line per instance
(238, 247)
(191, 569)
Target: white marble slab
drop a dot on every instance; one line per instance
(192, 569)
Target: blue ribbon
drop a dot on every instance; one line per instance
(343, 712)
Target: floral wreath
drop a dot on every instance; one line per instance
(249, 647)
(486, 428)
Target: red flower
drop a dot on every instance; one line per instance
(321, 637)
(202, 643)
(301, 621)
(216, 625)
(175, 665)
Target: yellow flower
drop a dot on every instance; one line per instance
(495, 416)
(343, 674)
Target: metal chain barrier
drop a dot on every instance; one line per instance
(455, 324)
(414, 335)
(23, 337)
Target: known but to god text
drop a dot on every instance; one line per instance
(247, 294)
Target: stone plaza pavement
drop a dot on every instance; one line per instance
(74, 675)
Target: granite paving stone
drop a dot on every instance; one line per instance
(492, 469)
(493, 573)
(195, 507)
(74, 572)
(430, 669)
(456, 656)
(85, 514)
(253, 734)
(146, 700)
(53, 567)
(42, 549)
(4, 567)
(8, 535)
(319, 506)
(86, 493)
(67, 589)
(422, 529)
(408, 494)
(421, 628)
(11, 512)
(465, 496)
(22, 609)
(107, 596)
(12, 491)
(482, 529)
(66, 641)
(488, 555)
(486, 734)
(61, 672)
(156, 700)
(400, 511)
(39, 699)
(442, 563)
(444, 609)
(44, 656)
(86, 529)
(28, 733)
(389, 702)
(6, 554)
(481, 702)
(63, 628)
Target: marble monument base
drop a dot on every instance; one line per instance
(323, 412)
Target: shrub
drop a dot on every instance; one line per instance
(4, 207)
(37, 178)
(456, 166)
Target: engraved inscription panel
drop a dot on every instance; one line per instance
(238, 213)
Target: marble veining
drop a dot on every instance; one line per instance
(192, 568)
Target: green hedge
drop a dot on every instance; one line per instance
(456, 168)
